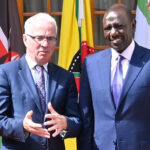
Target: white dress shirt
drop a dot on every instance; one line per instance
(127, 54)
(32, 65)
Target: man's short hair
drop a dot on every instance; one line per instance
(38, 16)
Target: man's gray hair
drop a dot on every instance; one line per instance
(38, 16)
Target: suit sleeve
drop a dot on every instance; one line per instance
(72, 109)
(10, 126)
(85, 104)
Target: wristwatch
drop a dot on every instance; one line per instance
(63, 133)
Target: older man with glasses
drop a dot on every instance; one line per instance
(38, 100)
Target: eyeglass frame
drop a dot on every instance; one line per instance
(50, 40)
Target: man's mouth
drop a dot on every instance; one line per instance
(116, 41)
(43, 52)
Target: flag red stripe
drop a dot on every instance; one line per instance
(78, 83)
(3, 50)
(86, 50)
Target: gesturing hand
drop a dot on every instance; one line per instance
(57, 122)
(34, 128)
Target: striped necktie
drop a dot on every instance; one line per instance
(40, 83)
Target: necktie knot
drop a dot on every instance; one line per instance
(39, 68)
(120, 58)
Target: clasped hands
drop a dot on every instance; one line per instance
(56, 122)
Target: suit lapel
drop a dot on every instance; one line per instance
(105, 76)
(52, 80)
(138, 60)
(28, 82)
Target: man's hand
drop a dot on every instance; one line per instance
(57, 122)
(34, 128)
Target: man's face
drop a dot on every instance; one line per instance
(118, 29)
(41, 42)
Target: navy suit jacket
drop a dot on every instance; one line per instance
(104, 125)
(18, 95)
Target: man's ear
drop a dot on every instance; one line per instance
(133, 24)
(24, 37)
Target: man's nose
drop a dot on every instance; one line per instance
(44, 42)
(113, 32)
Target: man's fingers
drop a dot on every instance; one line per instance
(56, 133)
(51, 116)
(35, 125)
(41, 132)
(37, 129)
(53, 128)
(56, 129)
(57, 122)
(50, 122)
(29, 114)
(28, 124)
(51, 109)
(34, 128)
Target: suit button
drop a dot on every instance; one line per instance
(114, 142)
(117, 121)
(42, 143)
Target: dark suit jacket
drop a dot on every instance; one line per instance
(18, 95)
(128, 125)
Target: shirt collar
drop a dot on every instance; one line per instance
(127, 53)
(32, 63)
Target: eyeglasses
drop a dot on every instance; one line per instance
(40, 39)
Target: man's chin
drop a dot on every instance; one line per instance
(43, 60)
(117, 48)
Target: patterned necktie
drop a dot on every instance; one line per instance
(117, 81)
(40, 83)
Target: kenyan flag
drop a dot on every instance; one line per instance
(11, 44)
(76, 41)
(142, 34)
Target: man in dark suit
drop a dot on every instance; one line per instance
(38, 108)
(115, 89)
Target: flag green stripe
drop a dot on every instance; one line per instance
(77, 9)
(143, 6)
(80, 36)
(77, 15)
(76, 74)
(0, 141)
